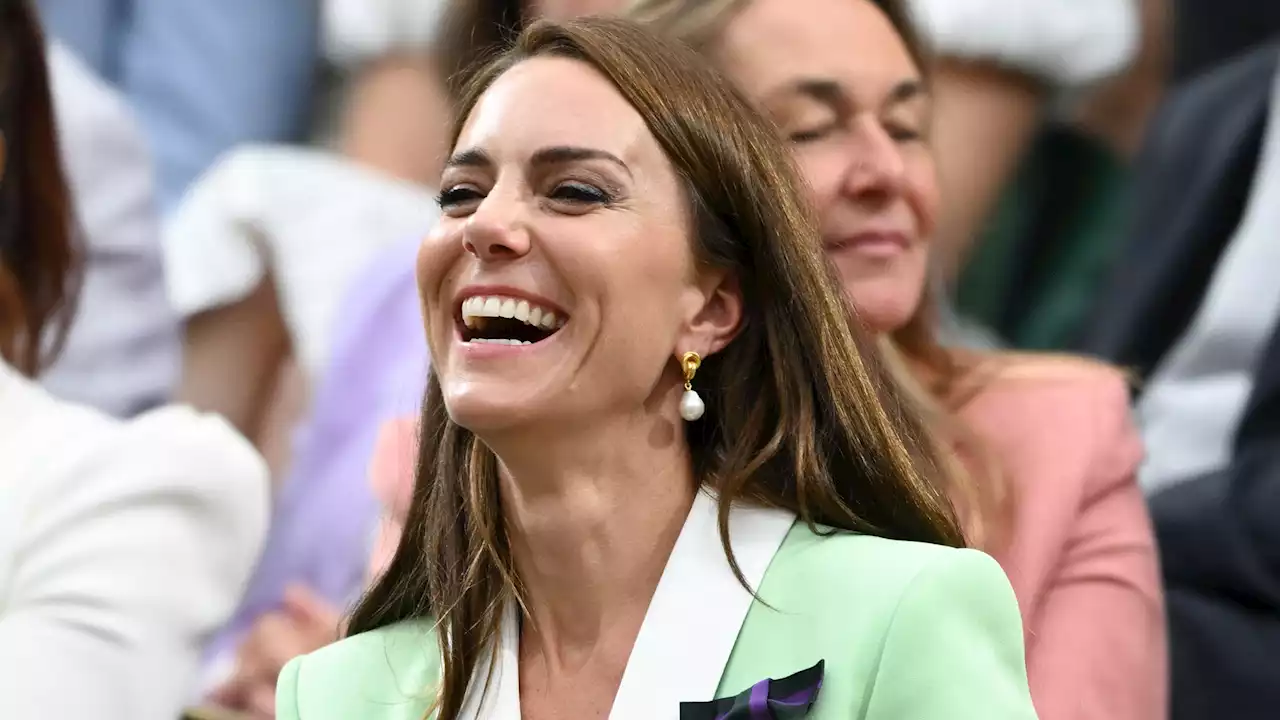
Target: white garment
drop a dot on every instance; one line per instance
(360, 30)
(1197, 395)
(123, 546)
(310, 217)
(1069, 43)
(124, 351)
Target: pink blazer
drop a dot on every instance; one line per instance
(1081, 555)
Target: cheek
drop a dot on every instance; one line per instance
(922, 193)
(888, 298)
(437, 257)
(643, 299)
(823, 171)
(644, 295)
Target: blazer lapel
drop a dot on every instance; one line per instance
(497, 694)
(697, 610)
(688, 632)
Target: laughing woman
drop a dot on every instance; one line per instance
(660, 476)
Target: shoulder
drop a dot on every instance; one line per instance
(832, 568)
(1028, 372)
(386, 673)
(180, 447)
(80, 462)
(205, 446)
(906, 629)
(1069, 399)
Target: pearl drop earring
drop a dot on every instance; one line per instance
(691, 405)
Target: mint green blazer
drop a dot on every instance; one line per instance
(907, 631)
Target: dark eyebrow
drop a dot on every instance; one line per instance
(827, 92)
(905, 92)
(833, 95)
(470, 158)
(562, 154)
(557, 155)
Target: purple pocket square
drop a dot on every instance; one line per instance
(787, 699)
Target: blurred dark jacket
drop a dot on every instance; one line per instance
(1192, 181)
(1219, 537)
(1219, 533)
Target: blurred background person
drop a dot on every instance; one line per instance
(1193, 308)
(123, 544)
(262, 248)
(1002, 66)
(203, 77)
(123, 352)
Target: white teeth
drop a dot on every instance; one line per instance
(505, 307)
(476, 308)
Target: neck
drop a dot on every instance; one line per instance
(591, 521)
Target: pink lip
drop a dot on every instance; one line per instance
(878, 244)
(485, 351)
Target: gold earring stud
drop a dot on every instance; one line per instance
(691, 405)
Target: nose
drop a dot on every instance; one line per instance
(496, 230)
(875, 170)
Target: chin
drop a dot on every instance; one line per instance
(484, 410)
(884, 305)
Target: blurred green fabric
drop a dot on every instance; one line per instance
(1049, 246)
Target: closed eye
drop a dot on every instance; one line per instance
(456, 197)
(812, 134)
(580, 193)
(904, 135)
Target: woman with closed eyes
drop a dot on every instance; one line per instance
(661, 473)
(1045, 445)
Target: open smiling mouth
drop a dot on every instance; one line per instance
(497, 320)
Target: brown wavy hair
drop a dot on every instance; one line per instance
(938, 379)
(472, 31)
(800, 414)
(39, 256)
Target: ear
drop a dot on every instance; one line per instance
(715, 321)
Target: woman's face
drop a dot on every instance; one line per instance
(560, 284)
(838, 80)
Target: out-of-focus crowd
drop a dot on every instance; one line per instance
(205, 475)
